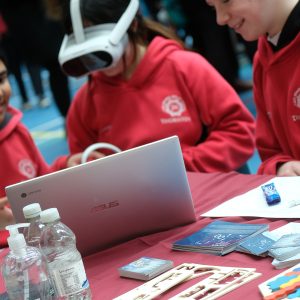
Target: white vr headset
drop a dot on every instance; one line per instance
(96, 47)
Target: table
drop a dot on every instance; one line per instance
(208, 190)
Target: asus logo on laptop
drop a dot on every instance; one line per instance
(105, 206)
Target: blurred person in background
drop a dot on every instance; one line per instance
(38, 38)
(16, 63)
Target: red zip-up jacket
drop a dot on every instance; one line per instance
(277, 97)
(20, 158)
(171, 92)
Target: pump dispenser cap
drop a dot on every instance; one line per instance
(32, 210)
(16, 240)
(49, 215)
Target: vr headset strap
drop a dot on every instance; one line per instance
(124, 22)
(77, 21)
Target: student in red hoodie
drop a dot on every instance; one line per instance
(156, 89)
(276, 76)
(20, 159)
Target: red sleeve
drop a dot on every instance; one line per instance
(229, 124)
(80, 136)
(4, 234)
(267, 144)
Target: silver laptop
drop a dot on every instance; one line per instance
(115, 198)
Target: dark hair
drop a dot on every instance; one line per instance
(110, 11)
(3, 56)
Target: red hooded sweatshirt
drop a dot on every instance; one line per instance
(277, 96)
(171, 92)
(20, 158)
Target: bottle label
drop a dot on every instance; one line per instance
(71, 279)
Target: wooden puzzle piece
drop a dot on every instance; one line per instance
(295, 295)
(218, 279)
(293, 273)
(213, 271)
(276, 284)
(284, 286)
(291, 282)
(158, 285)
(214, 287)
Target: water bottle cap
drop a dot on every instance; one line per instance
(49, 215)
(32, 210)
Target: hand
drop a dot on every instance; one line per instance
(3, 202)
(75, 159)
(291, 168)
(6, 216)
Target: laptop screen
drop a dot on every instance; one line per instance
(115, 198)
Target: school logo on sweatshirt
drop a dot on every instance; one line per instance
(174, 106)
(26, 168)
(296, 98)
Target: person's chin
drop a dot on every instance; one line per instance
(109, 73)
(249, 37)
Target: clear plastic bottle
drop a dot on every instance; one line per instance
(33, 232)
(66, 268)
(25, 269)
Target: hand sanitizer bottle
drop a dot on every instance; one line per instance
(58, 243)
(25, 269)
(33, 232)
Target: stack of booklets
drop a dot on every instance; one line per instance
(219, 237)
(145, 268)
(286, 250)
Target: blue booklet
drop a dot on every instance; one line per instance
(219, 237)
(145, 268)
(257, 245)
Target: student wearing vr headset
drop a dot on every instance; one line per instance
(143, 86)
(276, 26)
(20, 159)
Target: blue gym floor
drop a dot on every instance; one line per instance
(47, 126)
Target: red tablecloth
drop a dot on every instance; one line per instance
(208, 190)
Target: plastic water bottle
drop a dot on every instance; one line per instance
(66, 268)
(25, 269)
(33, 232)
